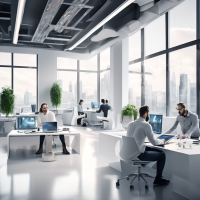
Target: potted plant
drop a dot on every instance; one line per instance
(7, 101)
(56, 95)
(129, 113)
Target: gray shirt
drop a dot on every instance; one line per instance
(80, 109)
(189, 125)
(109, 106)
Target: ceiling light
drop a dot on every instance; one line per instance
(105, 20)
(20, 12)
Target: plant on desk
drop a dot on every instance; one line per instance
(7, 101)
(56, 95)
(128, 113)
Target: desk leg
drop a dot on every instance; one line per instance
(76, 144)
(49, 155)
(8, 145)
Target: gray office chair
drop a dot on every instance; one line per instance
(128, 154)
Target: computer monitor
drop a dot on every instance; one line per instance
(33, 107)
(156, 123)
(49, 127)
(95, 105)
(26, 122)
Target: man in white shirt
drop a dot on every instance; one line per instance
(140, 129)
(48, 116)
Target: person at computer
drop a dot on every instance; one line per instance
(104, 107)
(47, 116)
(109, 105)
(140, 129)
(188, 121)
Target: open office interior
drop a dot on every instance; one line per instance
(99, 100)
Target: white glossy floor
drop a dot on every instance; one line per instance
(81, 177)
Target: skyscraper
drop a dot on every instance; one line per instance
(183, 88)
(193, 97)
(173, 95)
(26, 97)
(70, 87)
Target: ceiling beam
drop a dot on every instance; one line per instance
(44, 26)
(78, 5)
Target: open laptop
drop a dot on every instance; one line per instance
(49, 127)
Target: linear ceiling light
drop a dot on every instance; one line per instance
(109, 17)
(20, 12)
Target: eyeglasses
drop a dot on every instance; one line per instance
(45, 108)
(179, 109)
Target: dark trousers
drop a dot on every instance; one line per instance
(62, 139)
(151, 154)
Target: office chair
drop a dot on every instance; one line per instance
(107, 121)
(128, 154)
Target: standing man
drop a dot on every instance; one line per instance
(140, 129)
(188, 121)
(104, 107)
(47, 116)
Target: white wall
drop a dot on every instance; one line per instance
(47, 67)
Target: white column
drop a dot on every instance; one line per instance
(119, 78)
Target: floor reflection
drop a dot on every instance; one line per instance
(82, 177)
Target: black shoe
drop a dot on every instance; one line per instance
(40, 150)
(161, 182)
(65, 151)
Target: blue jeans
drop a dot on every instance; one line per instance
(151, 154)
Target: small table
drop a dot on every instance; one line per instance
(49, 155)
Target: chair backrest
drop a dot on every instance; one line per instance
(129, 149)
(110, 115)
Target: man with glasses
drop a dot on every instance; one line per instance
(188, 121)
(47, 116)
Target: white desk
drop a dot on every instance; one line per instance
(92, 117)
(49, 156)
(183, 165)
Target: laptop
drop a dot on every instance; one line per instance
(49, 127)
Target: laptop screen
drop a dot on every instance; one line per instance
(49, 126)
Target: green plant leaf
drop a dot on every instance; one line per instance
(56, 95)
(129, 110)
(7, 101)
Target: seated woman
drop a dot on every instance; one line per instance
(48, 116)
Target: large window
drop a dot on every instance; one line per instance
(177, 67)
(183, 79)
(24, 80)
(66, 63)
(68, 83)
(155, 36)
(183, 23)
(135, 46)
(88, 88)
(155, 84)
(5, 77)
(25, 85)
(90, 64)
(134, 92)
(105, 85)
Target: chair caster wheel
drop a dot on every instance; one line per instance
(146, 187)
(131, 187)
(117, 183)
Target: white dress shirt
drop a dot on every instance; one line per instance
(49, 117)
(140, 129)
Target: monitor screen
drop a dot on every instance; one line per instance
(27, 123)
(95, 104)
(156, 123)
(49, 126)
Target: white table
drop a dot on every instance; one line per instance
(183, 165)
(92, 117)
(49, 155)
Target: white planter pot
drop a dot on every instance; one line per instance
(126, 121)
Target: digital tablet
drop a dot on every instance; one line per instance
(166, 137)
